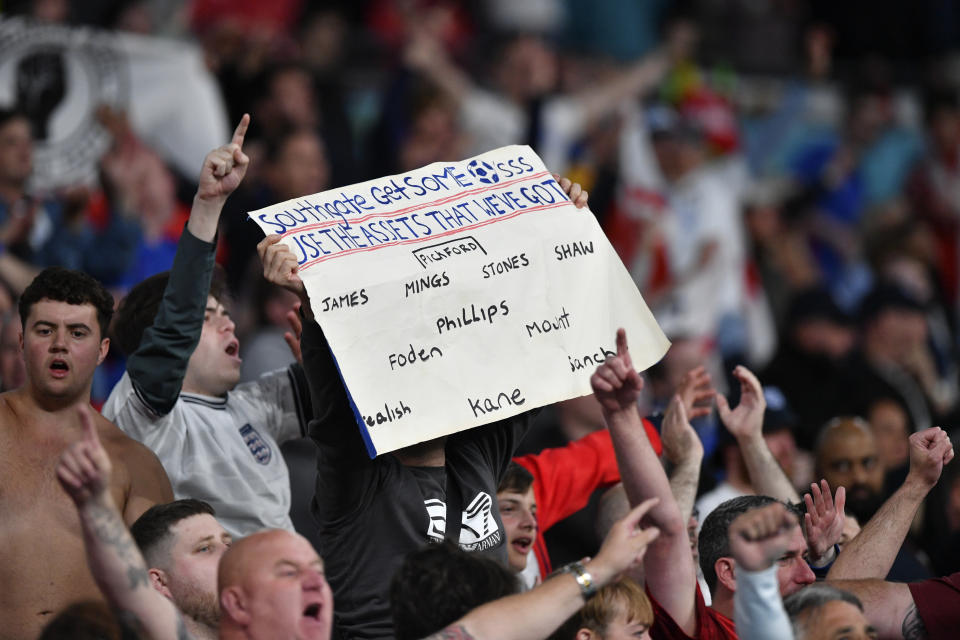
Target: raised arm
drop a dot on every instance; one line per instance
(158, 366)
(599, 100)
(683, 449)
(681, 444)
(538, 612)
(425, 54)
(872, 552)
(823, 524)
(671, 576)
(758, 538)
(745, 423)
(115, 562)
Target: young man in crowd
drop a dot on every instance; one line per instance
(65, 315)
(219, 441)
(518, 510)
(372, 513)
(182, 544)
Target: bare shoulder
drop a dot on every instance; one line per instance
(146, 480)
(8, 419)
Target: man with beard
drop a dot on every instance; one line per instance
(847, 456)
(182, 544)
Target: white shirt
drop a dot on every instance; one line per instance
(224, 451)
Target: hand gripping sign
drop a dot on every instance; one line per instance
(461, 293)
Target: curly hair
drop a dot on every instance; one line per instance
(73, 287)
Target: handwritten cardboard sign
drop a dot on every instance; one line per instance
(461, 293)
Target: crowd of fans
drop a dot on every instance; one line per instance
(782, 181)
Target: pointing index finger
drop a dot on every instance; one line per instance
(89, 429)
(241, 130)
(622, 348)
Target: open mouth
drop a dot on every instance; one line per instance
(522, 544)
(59, 367)
(312, 611)
(233, 349)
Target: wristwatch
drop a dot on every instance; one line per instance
(587, 586)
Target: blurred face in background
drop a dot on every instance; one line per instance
(527, 69)
(822, 336)
(890, 427)
(12, 370)
(300, 167)
(293, 97)
(434, 136)
(900, 331)
(945, 130)
(16, 151)
(847, 457)
(870, 114)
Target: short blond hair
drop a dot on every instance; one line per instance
(622, 596)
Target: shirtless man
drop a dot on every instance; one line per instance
(42, 565)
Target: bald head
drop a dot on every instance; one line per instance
(838, 430)
(247, 554)
(846, 456)
(271, 584)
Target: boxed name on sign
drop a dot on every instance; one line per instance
(461, 293)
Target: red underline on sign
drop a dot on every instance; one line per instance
(435, 235)
(416, 207)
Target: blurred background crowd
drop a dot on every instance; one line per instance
(781, 178)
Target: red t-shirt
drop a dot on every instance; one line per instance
(565, 477)
(711, 624)
(938, 605)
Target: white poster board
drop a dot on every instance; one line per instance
(461, 293)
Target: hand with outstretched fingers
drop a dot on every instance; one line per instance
(697, 392)
(824, 520)
(679, 438)
(746, 420)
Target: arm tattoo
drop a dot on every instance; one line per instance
(913, 628)
(111, 531)
(137, 576)
(458, 632)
